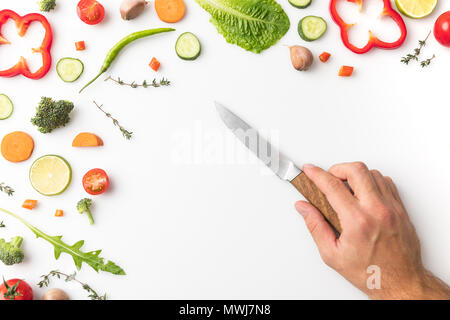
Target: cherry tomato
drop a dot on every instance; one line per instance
(8, 291)
(95, 181)
(442, 29)
(90, 11)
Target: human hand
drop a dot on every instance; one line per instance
(377, 234)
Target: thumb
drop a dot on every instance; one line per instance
(320, 230)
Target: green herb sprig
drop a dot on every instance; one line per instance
(93, 295)
(415, 57)
(154, 83)
(2, 225)
(427, 62)
(6, 189)
(127, 134)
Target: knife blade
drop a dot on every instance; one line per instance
(281, 165)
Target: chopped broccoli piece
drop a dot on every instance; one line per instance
(10, 252)
(84, 206)
(52, 114)
(47, 5)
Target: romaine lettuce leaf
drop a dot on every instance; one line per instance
(254, 25)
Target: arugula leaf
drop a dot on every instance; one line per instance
(254, 25)
(92, 258)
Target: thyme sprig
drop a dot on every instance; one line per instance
(415, 57)
(2, 225)
(154, 83)
(427, 62)
(6, 189)
(93, 295)
(127, 134)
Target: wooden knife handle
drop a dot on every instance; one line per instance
(316, 197)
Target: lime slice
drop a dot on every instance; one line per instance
(50, 175)
(416, 8)
(6, 107)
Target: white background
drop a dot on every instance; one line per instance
(216, 229)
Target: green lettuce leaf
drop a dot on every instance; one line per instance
(254, 25)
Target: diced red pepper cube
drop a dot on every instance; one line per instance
(346, 71)
(155, 64)
(324, 57)
(80, 45)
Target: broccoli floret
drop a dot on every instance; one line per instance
(84, 206)
(52, 114)
(47, 5)
(10, 252)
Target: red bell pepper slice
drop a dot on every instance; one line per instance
(22, 24)
(373, 40)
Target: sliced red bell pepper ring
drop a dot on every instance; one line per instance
(22, 24)
(373, 40)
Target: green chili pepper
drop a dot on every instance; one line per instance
(112, 54)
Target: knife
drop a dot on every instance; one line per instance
(282, 166)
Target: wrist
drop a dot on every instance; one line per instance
(421, 286)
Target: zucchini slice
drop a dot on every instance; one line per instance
(69, 69)
(311, 28)
(301, 4)
(188, 46)
(6, 107)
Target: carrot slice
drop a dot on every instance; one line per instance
(59, 213)
(346, 71)
(170, 10)
(17, 146)
(87, 139)
(29, 204)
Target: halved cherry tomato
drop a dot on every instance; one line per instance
(95, 181)
(15, 289)
(90, 11)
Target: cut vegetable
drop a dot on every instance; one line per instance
(416, 8)
(50, 175)
(345, 71)
(17, 146)
(301, 4)
(29, 204)
(188, 46)
(87, 139)
(170, 10)
(324, 56)
(6, 107)
(311, 28)
(80, 45)
(155, 64)
(69, 69)
(59, 213)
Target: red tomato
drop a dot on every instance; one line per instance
(442, 29)
(95, 181)
(90, 11)
(8, 291)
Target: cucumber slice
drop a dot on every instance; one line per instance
(6, 107)
(311, 28)
(301, 4)
(69, 69)
(50, 175)
(188, 46)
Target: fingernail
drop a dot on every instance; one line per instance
(300, 207)
(308, 166)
